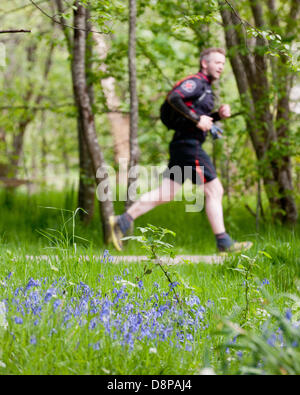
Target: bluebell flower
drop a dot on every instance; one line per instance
(105, 256)
(93, 323)
(17, 290)
(20, 309)
(180, 336)
(272, 340)
(49, 294)
(288, 315)
(33, 340)
(18, 320)
(99, 277)
(128, 319)
(96, 346)
(173, 284)
(193, 300)
(189, 337)
(36, 310)
(52, 331)
(56, 304)
(32, 283)
(8, 276)
(210, 303)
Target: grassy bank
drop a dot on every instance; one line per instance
(65, 315)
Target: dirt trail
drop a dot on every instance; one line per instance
(179, 259)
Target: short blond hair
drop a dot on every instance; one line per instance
(205, 54)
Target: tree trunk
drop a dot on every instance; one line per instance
(134, 149)
(86, 189)
(3, 160)
(119, 123)
(251, 72)
(85, 111)
(28, 117)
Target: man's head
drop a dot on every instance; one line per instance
(212, 62)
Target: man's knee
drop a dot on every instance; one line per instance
(214, 189)
(168, 190)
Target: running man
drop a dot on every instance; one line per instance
(188, 111)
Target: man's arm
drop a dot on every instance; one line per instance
(223, 113)
(176, 101)
(182, 96)
(215, 116)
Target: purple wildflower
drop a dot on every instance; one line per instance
(32, 283)
(288, 315)
(18, 320)
(56, 304)
(272, 340)
(49, 294)
(173, 284)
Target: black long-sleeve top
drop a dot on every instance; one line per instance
(185, 103)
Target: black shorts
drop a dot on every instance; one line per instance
(186, 159)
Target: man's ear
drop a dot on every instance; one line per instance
(204, 64)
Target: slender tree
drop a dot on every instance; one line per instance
(134, 149)
(268, 126)
(85, 110)
(119, 122)
(31, 93)
(87, 188)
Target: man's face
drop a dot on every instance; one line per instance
(214, 65)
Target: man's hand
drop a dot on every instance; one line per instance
(225, 111)
(205, 123)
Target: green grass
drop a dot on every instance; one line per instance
(22, 216)
(72, 350)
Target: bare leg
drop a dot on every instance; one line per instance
(213, 205)
(163, 194)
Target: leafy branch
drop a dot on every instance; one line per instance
(152, 241)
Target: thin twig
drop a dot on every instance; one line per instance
(20, 8)
(157, 260)
(15, 31)
(45, 108)
(63, 24)
(243, 21)
(250, 210)
(36, 108)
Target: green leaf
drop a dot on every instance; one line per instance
(265, 254)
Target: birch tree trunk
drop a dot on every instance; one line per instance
(87, 188)
(133, 143)
(84, 106)
(119, 123)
